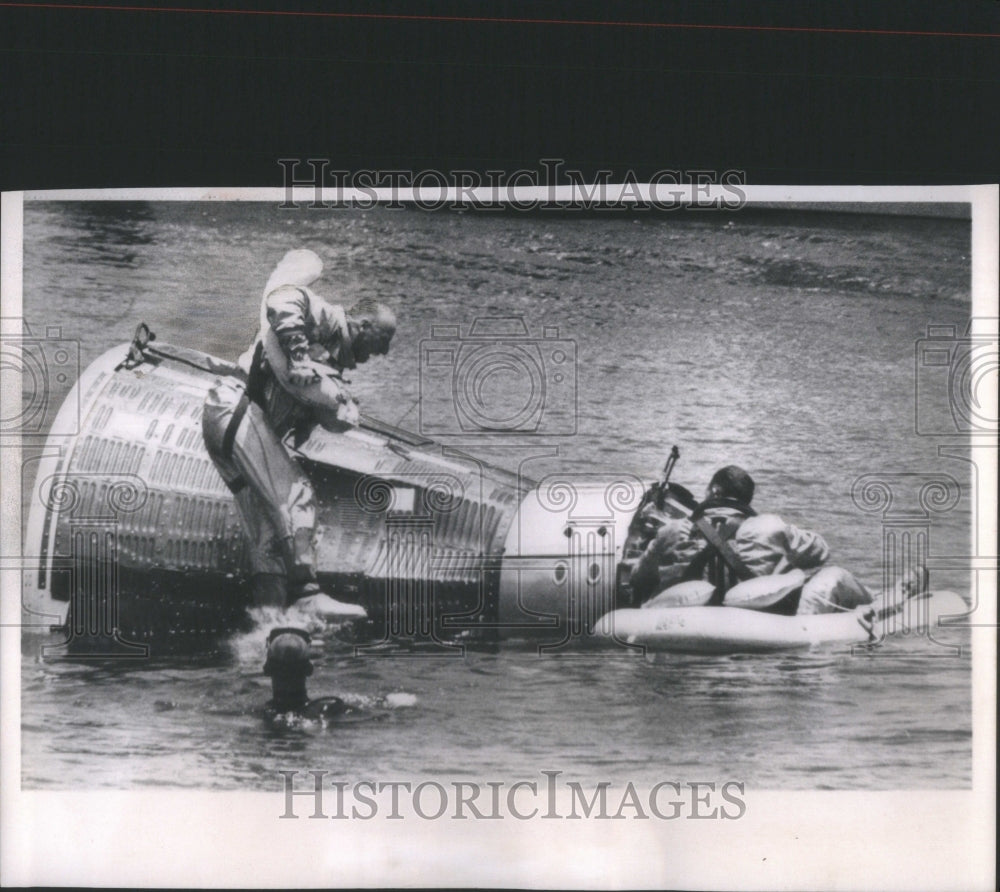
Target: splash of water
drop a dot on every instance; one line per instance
(319, 615)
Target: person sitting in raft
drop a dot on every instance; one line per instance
(288, 664)
(717, 555)
(677, 550)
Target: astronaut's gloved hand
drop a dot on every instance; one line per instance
(301, 372)
(348, 412)
(319, 353)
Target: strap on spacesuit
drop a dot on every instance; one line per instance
(734, 561)
(717, 545)
(254, 393)
(234, 425)
(255, 380)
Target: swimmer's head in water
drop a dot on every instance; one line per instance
(288, 653)
(288, 664)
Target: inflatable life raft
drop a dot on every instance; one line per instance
(725, 630)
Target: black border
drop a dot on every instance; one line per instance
(788, 91)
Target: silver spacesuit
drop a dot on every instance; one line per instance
(293, 375)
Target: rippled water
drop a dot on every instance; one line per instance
(780, 341)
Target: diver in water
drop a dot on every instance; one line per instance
(288, 664)
(293, 377)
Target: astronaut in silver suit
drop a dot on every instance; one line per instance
(293, 376)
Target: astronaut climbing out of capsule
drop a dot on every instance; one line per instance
(292, 376)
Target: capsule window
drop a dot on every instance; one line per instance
(559, 573)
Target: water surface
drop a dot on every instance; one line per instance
(780, 341)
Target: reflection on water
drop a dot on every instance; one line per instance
(782, 342)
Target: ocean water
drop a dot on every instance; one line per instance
(782, 341)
